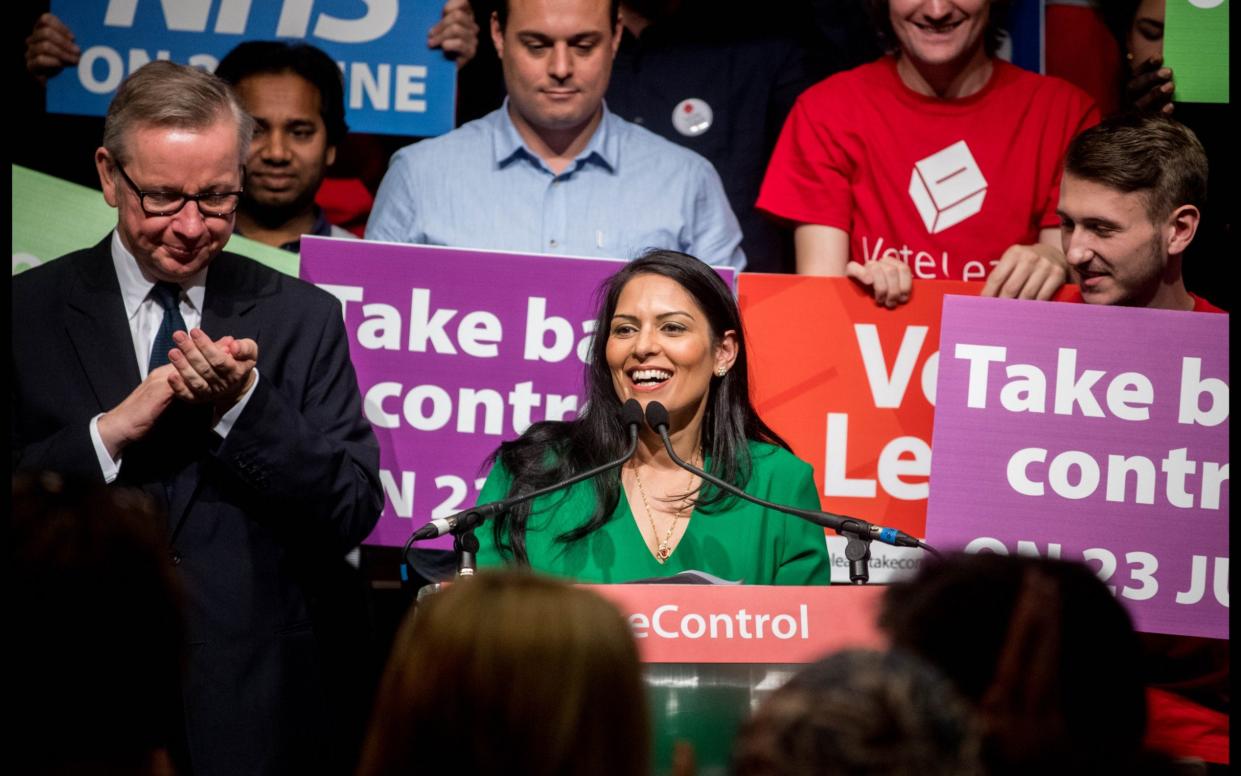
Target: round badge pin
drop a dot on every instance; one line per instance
(692, 117)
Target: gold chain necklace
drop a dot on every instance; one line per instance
(665, 547)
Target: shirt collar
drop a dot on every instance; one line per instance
(136, 284)
(603, 148)
(321, 228)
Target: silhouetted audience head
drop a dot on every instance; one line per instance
(511, 673)
(861, 713)
(1043, 649)
(95, 631)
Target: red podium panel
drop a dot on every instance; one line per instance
(746, 623)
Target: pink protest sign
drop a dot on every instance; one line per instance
(1090, 433)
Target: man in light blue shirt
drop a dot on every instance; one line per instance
(552, 171)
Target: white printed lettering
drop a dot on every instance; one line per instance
(657, 622)
(1129, 396)
(1070, 391)
(1176, 466)
(478, 333)
(1018, 466)
(111, 61)
(888, 389)
(835, 481)
(381, 327)
(400, 497)
(538, 324)
(893, 466)
(1192, 388)
(424, 327)
(979, 357)
(441, 407)
(1197, 582)
(1118, 468)
(523, 399)
(1087, 477)
(372, 405)
(1026, 390)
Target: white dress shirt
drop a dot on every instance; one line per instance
(145, 315)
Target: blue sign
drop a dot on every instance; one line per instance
(394, 84)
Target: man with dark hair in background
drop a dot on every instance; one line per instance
(1130, 203)
(296, 95)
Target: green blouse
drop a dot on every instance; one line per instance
(745, 542)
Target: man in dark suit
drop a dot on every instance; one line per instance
(222, 388)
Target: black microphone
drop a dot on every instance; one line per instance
(657, 419)
(631, 416)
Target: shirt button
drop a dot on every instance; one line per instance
(552, 243)
(176, 558)
(638, 120)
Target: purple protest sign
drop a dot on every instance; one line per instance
(456, 351)
(1090, 433)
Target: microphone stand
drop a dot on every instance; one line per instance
(465, 544)
(857, 550)
(858, 533)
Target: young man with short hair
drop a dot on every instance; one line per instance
(1130, 203)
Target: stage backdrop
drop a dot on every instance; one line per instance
(1090, 433)
(394, 84)
(456, 351)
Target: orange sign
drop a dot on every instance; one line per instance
(746, 623)
(850, 386)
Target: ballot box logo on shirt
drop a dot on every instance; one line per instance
(947, 187)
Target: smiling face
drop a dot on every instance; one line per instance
(190, 161)
(289, 154)
(1116, 254)
(939, 32)
(557, 57)
(661, 348)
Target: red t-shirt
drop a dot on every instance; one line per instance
(944, 185)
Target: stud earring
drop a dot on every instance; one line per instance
(720, 371)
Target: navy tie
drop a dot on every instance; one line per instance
(168, 295)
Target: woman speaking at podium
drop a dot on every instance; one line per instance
(668, 330)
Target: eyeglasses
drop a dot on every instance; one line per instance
(216, 204)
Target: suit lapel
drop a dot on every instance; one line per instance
(228, 309)
(98, 329)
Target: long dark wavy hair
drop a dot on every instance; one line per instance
(554, 450)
